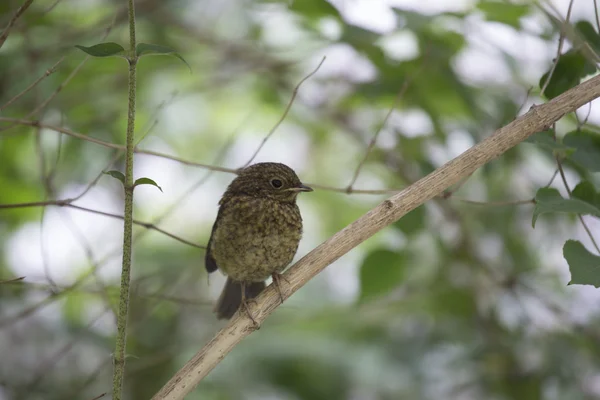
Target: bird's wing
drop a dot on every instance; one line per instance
(209, 261)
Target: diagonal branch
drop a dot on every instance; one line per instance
(285, 113)
(67, 203)
(537, 119)
(397, 99)
(46, 74)
(12, 21)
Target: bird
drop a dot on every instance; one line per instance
(256, 233)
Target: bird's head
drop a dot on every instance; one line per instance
(271, 180)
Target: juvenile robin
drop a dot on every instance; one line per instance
(256, 233)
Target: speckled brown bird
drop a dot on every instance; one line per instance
(256, 233)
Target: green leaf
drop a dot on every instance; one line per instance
(546, 141)
(145, 49)
(589, 34)
(571, 67)
(587, 192)
(412, 222)
(584, 266)
(314, 9)
(118, 175)
(104, 50)
(504, 12)
(381, 271)
(458, 302)
(146, 181)
(550, 201)
(587, 149)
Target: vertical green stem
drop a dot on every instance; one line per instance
(119, 356)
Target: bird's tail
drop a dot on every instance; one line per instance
(231, 297)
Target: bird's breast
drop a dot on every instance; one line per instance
(256, 237)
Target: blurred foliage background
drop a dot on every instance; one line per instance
(457, 300)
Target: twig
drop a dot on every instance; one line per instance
(535, 120)
(46, 365)
(552, 178)
(564, 179)
(596, 15)
(285, 113)
(67, 203)
(89, 253)
(48, 72)
(60, 87)
(495, 203)
(354, 191)
(81, 136)
(580, 124)
(177, 159)
(13, 280)
(561, 41)
(376, 135)
(12, 21)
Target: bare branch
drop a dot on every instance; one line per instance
(537, 119)
(561, 41)
(12, 21)
(67, 203)
(495, 203)
(376, 135)
(596, 15)
(564, 179)
(48, 72)
(81, 136)
(285, 113)
(13, 280)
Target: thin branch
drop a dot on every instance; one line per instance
(67, 203)
(581, 123)
(48, 364)
(524, 102)
(48, 72)
(495, 203)
(81, 136)
(354, 191)
(564, 179)
(376, 135)
(596, 15)
(60, 87)
(47, 184)
(561, 41)
(13, 280)
(187, 162)
(147, 225)
(12, 21)
(89, 253)
(552, 178)
(285, 113)
(535, 120)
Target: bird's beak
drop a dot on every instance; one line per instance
(301, 188)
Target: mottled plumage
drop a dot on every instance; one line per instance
(256, 233)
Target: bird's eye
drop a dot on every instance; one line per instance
(276, 183)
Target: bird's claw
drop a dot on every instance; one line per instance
(277, 277)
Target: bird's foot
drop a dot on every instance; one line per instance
(245, 304)
(277, 278)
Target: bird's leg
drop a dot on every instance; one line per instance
(277, 277)
(245, 304)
